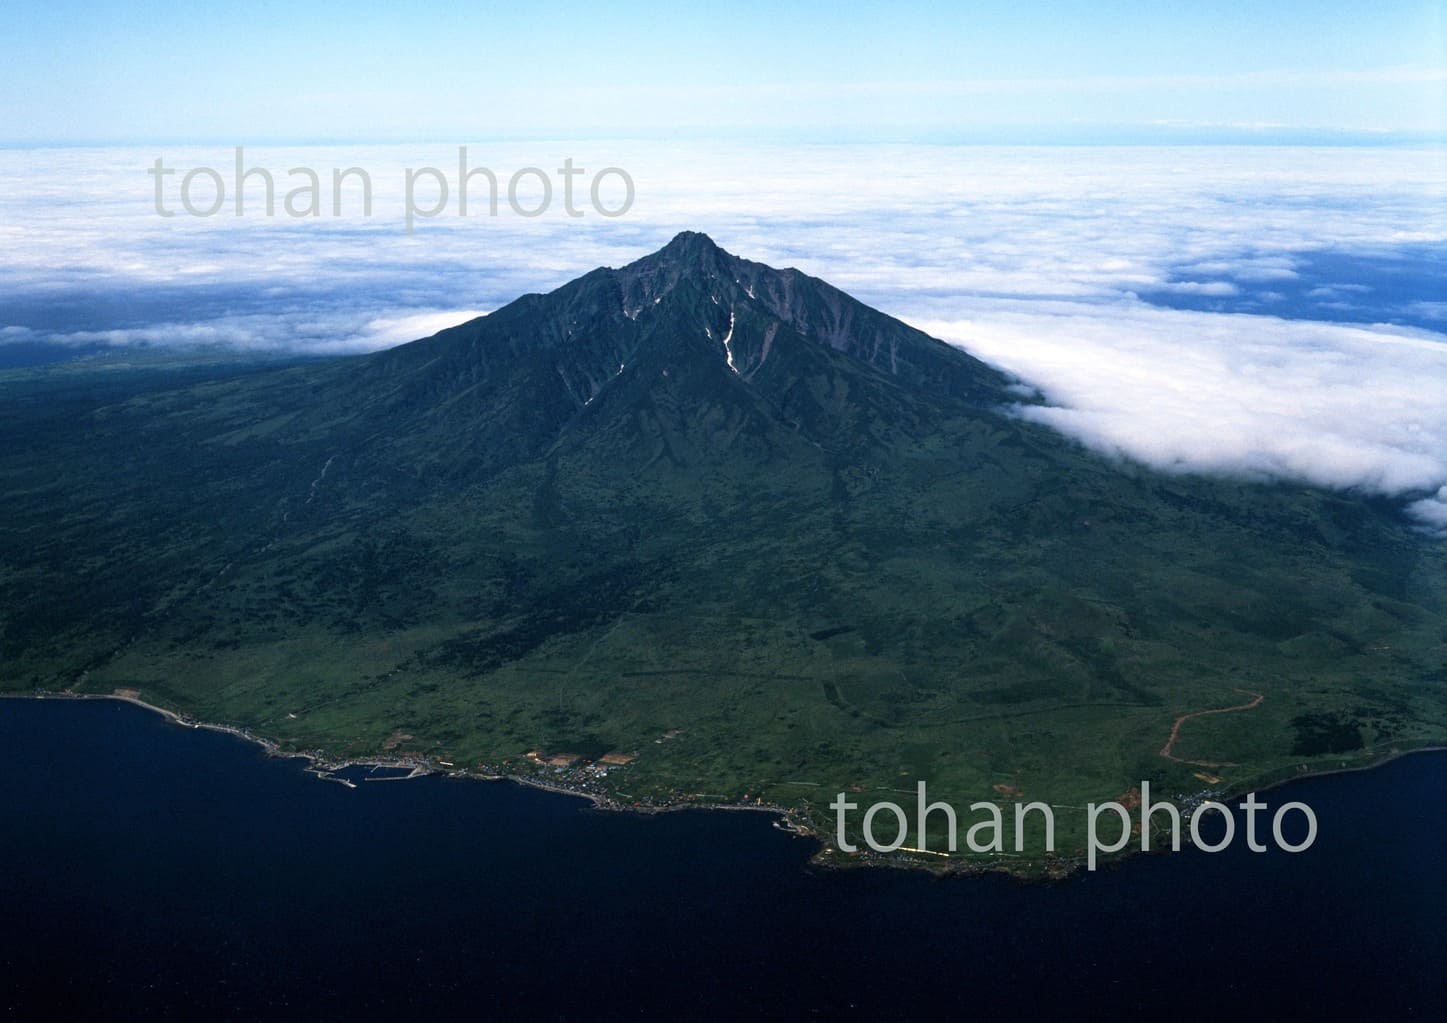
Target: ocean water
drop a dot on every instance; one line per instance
(153, 872)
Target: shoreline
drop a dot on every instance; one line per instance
(1052, 868)
(1381, 760)
(325, 768)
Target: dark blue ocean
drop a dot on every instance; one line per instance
(152, 872)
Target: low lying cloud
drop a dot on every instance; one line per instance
(1432, 511)
(1212, 289)
(335, 333)
(1345, 407)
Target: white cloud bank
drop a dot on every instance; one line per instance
(1346, 407)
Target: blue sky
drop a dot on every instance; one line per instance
(152, 72)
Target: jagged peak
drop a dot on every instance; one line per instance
(689, 256)
(687, 242)
(691, 292)
(688, 250)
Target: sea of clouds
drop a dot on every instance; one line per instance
(1277, 313)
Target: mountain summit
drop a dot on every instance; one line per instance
(688, 323)
(765, 306)
(716, 515)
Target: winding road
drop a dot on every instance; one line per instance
(1176, 729)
